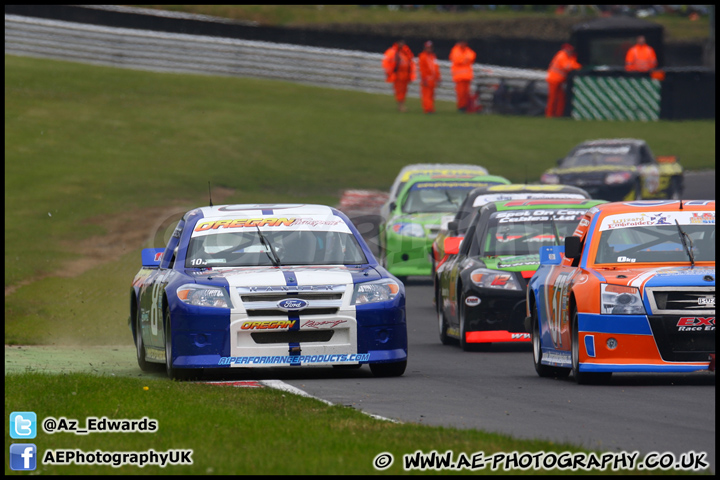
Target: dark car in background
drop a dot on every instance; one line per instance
(618, 169)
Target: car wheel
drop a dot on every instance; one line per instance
(675, 191)
(442, 323)
(172, 372)
(637, 191)
(541, 369)
(144, 365)
(583, 378)
(394, 369)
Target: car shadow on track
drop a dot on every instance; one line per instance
(280, 373)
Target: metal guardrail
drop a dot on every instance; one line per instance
(172, 52)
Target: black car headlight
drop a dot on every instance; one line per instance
(486, 278)
(616, 178)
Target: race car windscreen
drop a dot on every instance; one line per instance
(599, 155)
(248, 247)
(436, 197)
(657, 244)
(523, 232)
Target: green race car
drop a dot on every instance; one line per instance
(407, 233)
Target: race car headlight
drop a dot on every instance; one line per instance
(494, 279)
(377, 291)
(620, 300)
(204, 296)
(550, 178)
(409, 229)
(617, 177)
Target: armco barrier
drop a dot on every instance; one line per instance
(175, 52)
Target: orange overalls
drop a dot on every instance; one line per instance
(461, 59)
(399, 69)
(640, 58)
(429, 78)
(561, 64)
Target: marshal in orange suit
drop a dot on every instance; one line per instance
(399, 66)
(461, 59)
(562, 63)
(429, 77)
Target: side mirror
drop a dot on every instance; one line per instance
(573, 247)
(451, 245)
(452, 227)
(559, 161)
(152, 257)
(392, 206)
(551, 255)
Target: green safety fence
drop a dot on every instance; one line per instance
(615, 98)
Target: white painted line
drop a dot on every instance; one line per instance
(280, 385)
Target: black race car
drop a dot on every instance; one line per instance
(480, 290)
(618, 169)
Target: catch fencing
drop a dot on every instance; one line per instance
(182, 53)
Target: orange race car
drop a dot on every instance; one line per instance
(632, 290)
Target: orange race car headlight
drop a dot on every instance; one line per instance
(620, 300)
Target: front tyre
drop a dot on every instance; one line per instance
(442, 323)
(541, 369)
(144, 365)
(675, 190)
(394, 369)
(583, 378)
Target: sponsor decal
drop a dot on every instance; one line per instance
(530, 202)
(450, 173)
(424, 185)
(520, 335)
(294, 288)
(696, 324)
(295, 359)
(709, 300)
(472, 301)
(704, 217)
(539, 215)
(556, 358)
(685, 271)
(529, 260)
(623, 150)
(497, 197)
(266, 222)
(243, 222)
(322, 323)
(292, 304)
(627, 220)
(268, 324)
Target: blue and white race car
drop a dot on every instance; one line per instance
(266, 286)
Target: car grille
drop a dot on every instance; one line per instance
(302, 336)
(675, 345)
(682, 300)
(263, 301)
